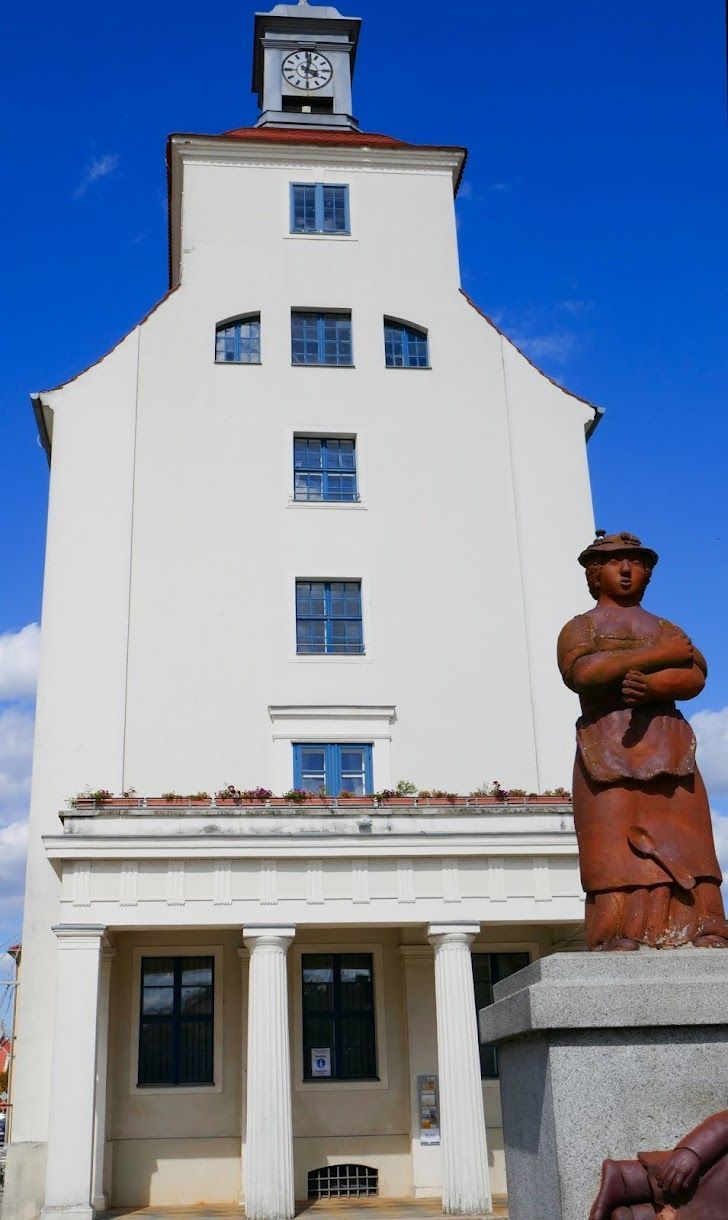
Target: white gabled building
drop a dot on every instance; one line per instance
(313, 523)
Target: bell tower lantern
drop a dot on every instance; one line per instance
(303, 64)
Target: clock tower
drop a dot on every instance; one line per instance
(303, 64)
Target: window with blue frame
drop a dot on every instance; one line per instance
(321, 338)
(490, 968)
(317, 207)
(333, 768)
(238, 342)
(405, 347)
(328, 617)
(324, 468)
(176, 1021)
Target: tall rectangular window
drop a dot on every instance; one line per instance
(317, 207)
(333, 768)
(490, 968)
(321, 338)
(324, 468)
(339, 1041)
(328, 617)
(176, 1021)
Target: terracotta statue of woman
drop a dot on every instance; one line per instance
(646, 851)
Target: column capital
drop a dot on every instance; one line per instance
(80, 935)
(440, 934)
(273, 936)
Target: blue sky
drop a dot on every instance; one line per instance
(592, 228)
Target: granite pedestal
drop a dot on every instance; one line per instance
(603, 1055)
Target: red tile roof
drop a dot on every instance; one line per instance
(341, 137)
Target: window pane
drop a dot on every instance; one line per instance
(358, 1057)
(158, 971)
(490, 968)
(318, 982)
(157, 1001)
(356, 982)
(334, 209)
(304, 209)
(310, 636)
(195, 1052)
(155, 1053)
(309, 487)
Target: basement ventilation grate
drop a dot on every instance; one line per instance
(343, 1182)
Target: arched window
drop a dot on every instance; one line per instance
(238, 342)
(405, 346)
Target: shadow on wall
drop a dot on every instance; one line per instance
(176, 1172)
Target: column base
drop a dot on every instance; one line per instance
(603, 1055)
(99, 1203)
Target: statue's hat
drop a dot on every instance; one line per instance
(625, 543)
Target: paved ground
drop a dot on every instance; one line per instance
(330, 1209)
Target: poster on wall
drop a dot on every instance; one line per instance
(320, 1061)
(429, 1110)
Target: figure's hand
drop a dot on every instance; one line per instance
(679, 1171)
(635, 687)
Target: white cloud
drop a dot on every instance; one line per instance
(711, 730)
(571, 305)
(720, 831)
(558, 346)
(99, 167)
(499, 186)
(13, 847)
(19, 651)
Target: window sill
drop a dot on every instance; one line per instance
(173, 1090)
(294, 365)
(236, 364)
(320, 237)
(408, 368)
(324, 1085)
(349, 505)
(330, 658)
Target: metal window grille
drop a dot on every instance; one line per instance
(321, 338)
(239, 342)
(176, 1021)
(343, 1182)
(324, 468)
(338, 1014)
(328, 617)
(405, 347)
(318, 207)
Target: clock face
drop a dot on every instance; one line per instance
(307, 70)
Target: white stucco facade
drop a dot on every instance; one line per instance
(169, 662)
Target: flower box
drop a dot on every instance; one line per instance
(486, 800)
(399, 800)
(205, 802)
(356, 802)
(154, 802)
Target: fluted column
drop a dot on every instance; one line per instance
(465, 1183)
(73, 1073)
(268, 1168)
(99, 1197)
